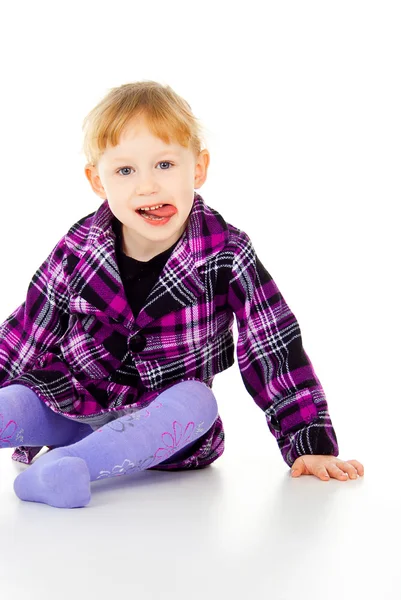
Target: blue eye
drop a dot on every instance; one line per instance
(163, 162)
(123, 168)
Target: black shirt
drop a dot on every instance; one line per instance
(138, 277)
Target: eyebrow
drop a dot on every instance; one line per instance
(162, 153)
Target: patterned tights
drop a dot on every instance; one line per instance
(137, 441)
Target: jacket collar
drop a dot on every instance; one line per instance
(96, 286)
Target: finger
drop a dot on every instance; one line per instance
(358, 466)
(322, 473)
(348, 468)
(336, 472)
(298, 468)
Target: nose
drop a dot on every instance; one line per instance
(146, 184)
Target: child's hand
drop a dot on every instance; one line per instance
(326, 466)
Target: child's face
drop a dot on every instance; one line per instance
(135, 174)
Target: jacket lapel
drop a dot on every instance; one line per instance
(96, 287)
(178, 286)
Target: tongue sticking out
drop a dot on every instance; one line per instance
(165, 211)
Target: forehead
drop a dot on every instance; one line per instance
(127, 155)
(137, 140)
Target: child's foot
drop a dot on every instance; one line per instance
(56, 478)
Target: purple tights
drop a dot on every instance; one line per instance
(137, 441)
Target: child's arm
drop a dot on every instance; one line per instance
(40, 321)
(275, 369)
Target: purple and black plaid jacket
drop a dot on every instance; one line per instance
(74, 340)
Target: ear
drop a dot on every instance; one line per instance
(93, 177)
(201, 167)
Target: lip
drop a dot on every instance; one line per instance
(156, 223)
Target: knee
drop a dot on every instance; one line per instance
(196, 388)
(197, 394)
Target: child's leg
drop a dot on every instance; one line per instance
(178, 417)
(26, 421)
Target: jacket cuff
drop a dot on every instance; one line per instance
(302, 425)
(316, 438)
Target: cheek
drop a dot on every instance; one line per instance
(185, 210)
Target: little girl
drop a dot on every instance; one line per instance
(110, 360)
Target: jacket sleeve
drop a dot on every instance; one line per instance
(40, 321)
(274, 366)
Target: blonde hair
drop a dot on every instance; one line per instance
(167, 115)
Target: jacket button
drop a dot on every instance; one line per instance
(137, 343)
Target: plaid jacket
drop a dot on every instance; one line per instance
(74, 339)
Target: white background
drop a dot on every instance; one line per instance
(301, 105)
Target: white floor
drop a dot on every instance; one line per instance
(240, 528)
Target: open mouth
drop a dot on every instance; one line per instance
(160, 212)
